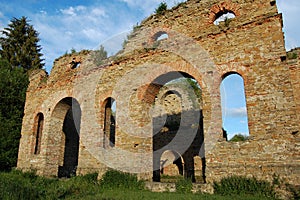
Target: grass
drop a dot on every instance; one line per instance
(113, 186)
(143, 194)
(239, 185)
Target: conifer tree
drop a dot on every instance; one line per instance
(19, 46)
(13, 85)
(19, 53)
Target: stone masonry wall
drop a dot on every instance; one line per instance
(251, 44)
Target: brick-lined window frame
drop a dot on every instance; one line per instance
(224, 7)
(39, 123)
(109, 122)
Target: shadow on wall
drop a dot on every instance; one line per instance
(178, 144)
(71, 127)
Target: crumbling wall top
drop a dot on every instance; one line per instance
(195, 19)
(64, 69)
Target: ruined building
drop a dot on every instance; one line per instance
(155, 107)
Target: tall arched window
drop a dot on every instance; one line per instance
(38, 132)
(109, 123)
(234, 110)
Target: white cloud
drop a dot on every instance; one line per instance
(87, 26)
(68, 11)
(76, 27)
(98, 12)
(290, 11)
(236, 112)
(43, 12)
(73, 11)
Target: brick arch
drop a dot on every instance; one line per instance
(170, 167)
(101, 101)
(241, 73)
(236, 72)
(230, 73)
(64, 121)
(222, 7)
(230, 68)
(156, 32)
(169, 134)
(147, 92)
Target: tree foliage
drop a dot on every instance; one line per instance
(19, 52)
(13, 85)
(238, 138)
(161, 8)
(99, 55)
(20, 45)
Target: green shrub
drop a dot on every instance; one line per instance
(115, 179)
(242, 185)
(292, 55)
(238, 138)
(161, 8)
(184, 186)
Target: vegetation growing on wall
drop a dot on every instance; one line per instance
(238, 138)
(161, 8)
(99, 55)
(292, 55)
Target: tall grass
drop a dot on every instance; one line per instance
(115, 179)
(184, 186)
(114, 185)
(18, 185)
(241, 185)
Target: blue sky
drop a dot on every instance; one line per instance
(234, 112)
(68, 24)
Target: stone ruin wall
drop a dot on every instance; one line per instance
(252, 45)
(293, 63)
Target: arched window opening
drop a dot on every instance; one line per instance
(74, 63)
(71, 129)
(224, 16)
(65, 121)
(161, 36)
(171, 164)
(234, 110)
(110, 122)
(177, 119)
(38, 132)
